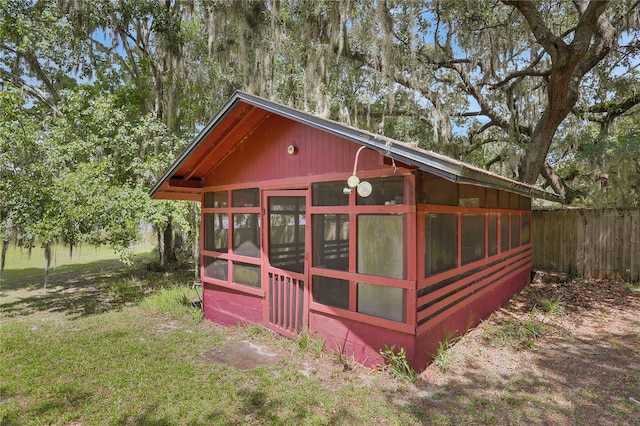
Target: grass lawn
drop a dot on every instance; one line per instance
(22, 267)
(130, 367)
(131, 349)
(109, 345)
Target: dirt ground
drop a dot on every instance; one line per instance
(564, 351)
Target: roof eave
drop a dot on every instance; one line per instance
(200, 137)
(449, 169)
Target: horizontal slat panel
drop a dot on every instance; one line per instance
(478, 282)
(458, 282)
(434, 318)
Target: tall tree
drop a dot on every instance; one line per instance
(516, 68)
(513, 86)
(489, 82)
(110, 142)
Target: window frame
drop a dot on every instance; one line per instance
(408, 210)
(230, 255)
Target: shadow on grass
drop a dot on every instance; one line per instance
(568, 389)
(67, 398)
(148, 417)
(257, 406)
(33, 278)
(86, 289)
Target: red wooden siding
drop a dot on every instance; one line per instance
(263, 155)
(452, 301)
(446, 302)
(228, 307)
(373, 285)
(236, 124)
(450, 291)
(358, 340)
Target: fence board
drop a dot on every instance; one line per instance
(592, 243)
(626, 247)
(570, 247)
(557, 248)
(547, 239)
(536, 234)
(591, 239)
(634, 248)
(609, 235)
(579, 224)
(618, 268)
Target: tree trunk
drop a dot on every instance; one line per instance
(47, 263)
(160, 245)
(532, 163)
(169, 254)
(3, 256)
(570, 62)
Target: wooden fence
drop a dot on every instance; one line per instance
(590, 243)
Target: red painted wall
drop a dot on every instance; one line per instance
(358, 340)
(263, 155)
(228, 307)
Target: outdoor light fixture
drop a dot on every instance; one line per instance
(292, 149)
(364, 188)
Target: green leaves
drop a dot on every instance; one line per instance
(81, 177)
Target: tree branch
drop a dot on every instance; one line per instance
(553, 44)
(468, 114)
(110, 51)
(616, 108)
(484, 104)
(498, 158)
(605, 36)
(410, 82)
(34, 65)
(559, 186)
(31, 89)
(528, 72)
(605, 113)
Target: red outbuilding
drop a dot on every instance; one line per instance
(363, 241)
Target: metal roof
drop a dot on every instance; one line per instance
(428, 161)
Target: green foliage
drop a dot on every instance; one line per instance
(397, 364)
(553, 307)
(442, 358)
(81, 177)
(129, 289)
(174, 301)
(306, 342)
(524, 332)
(634, 286)
(342, 359)
(605, 168)
(255, 330)
(90, 116)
